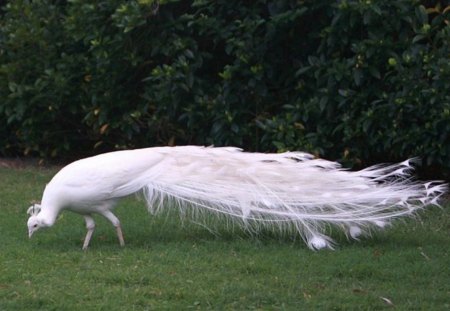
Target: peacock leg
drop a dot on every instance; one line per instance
(120, 235)
(116, 223)
(90, 226)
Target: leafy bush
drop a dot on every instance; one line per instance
(376, 86)
(359, 81)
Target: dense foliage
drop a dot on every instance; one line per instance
(359, 81)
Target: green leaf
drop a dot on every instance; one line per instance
(418, 38)
(302, 70)
(357, 76)
(421, 14)
(374, 72)
(323, 103)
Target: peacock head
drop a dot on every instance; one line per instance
(34, 222)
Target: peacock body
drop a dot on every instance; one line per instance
(291, 190)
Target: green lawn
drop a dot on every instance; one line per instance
(171, 265)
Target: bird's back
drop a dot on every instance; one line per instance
(102, 177)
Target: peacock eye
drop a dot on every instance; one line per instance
(35, 226)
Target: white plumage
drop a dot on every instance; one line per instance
(290, 190)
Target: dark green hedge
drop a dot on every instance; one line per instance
(359, 81)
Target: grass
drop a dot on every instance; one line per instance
(171, 265)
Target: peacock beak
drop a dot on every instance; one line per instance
(30, 233)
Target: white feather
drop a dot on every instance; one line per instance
(285, 190)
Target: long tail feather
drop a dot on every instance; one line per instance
(284, 190)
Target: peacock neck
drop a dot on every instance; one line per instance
(50, 209)
(48, 216)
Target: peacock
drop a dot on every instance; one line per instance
(290, 191)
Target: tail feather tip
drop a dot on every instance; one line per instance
(317, 243)
(380, 223)
(355, 232)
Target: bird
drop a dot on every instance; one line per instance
(292, 191)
